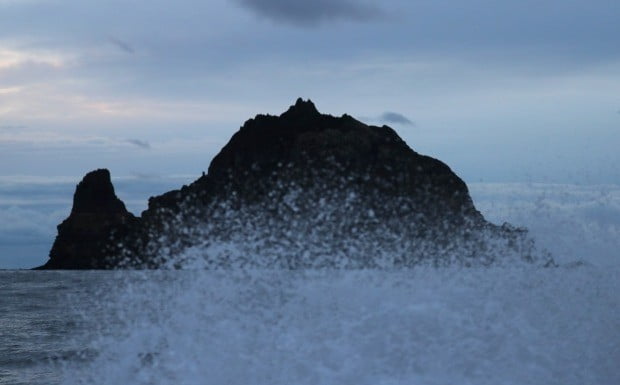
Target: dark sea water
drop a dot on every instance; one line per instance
(422, 326)
(37, 320)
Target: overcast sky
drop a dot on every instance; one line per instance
(510, 91)
(502, 91)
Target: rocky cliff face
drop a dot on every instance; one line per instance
(302, 189)
(97, 218)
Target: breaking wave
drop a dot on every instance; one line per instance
(337, 227)
(510, 324)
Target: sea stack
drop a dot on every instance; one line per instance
(298, 190)
(97, 218)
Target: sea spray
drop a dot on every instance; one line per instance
(424, 325)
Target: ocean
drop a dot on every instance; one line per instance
(497, 325)
(420, 326)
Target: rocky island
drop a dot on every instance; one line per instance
(299, 190)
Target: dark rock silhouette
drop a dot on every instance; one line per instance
(97, 217)
(302, 189)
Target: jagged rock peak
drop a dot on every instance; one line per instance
(301, 108)
(98, 219)
(95, 193)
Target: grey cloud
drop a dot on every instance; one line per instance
(506, 33)
(304, 12)
(122, 45)
(581, 29)
(144, 176)
(12, 127)
(139, 143)
(395, 117)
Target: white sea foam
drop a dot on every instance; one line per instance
(575, 223)
(494, 325)
(422, 326)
